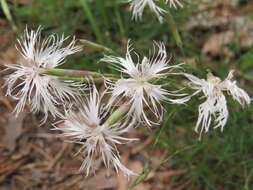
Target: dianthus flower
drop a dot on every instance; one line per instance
(27, 85)
(138, 89)
(138, 6)
(174, 3)
(98, 138)
(215, 107)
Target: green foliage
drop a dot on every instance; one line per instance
(247, 60)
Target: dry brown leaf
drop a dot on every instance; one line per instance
(142, 145)
(5, 40)
(101, 181)
(242, 32)
(142, 186)
(204, 4)
(9, 56)
(122, 180)
(13, 129)
(3, 23)
(8, 168)
(4, 100)
(214, 44)
(183, 185)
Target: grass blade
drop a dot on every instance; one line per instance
(92, 21)
(174, 30)
(146, 170)
(7, 13)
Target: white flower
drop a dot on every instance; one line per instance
(174, 3)
(98, 139)
(27, 85)
(215, 106)
(138, 6)
(138, 89)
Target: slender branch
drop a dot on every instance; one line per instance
(71, 73)
(81, 79)
(77, 73)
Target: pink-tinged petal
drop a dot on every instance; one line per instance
(98, 140)
(28, 86)
(138, 90)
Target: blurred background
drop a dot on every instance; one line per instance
(205, 34)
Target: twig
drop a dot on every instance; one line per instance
(58, 156)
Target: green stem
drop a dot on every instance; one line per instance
(173, 26)
(103, 11)
(119, 19)
(92, 21)
(71, 73)
(81, 79)
(174, 30)
(147, 170)
(7, 13)
(76, 73)
(117, 115)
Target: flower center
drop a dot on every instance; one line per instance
(141, 82)
(213, 79)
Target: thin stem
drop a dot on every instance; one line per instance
(8, 15)
(76, 73)
(81, 79)
(174, 30)
(103, 11)
(119, 19)
(173, 26)
(146, 170)
(92, 21)
(70, 73)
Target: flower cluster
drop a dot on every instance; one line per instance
(97, 123)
